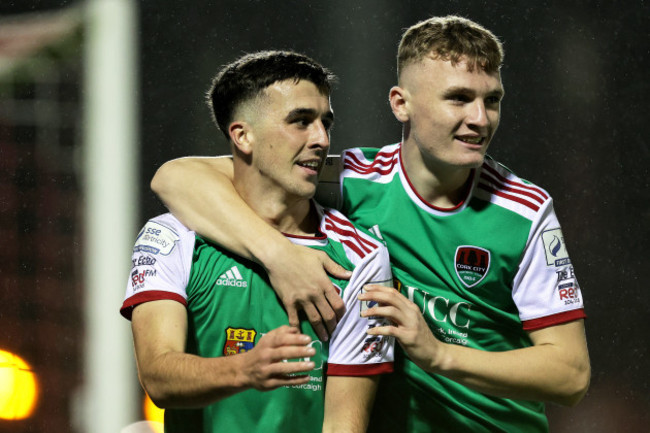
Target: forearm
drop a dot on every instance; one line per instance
(176, 379)
(217, 212)
(543, 372)
(555, 368)
(348, 403)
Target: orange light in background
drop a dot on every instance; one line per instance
(18, 387)
(154, 414)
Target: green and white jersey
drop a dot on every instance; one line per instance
(482, 274)
(231, 305)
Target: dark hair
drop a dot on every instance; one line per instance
(450, 38)
(248, 76)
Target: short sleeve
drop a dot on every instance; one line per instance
(161, 262)
(352, 351)
(545, 288)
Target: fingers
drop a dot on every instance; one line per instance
(391, 305)
(285, 380)
(281, 358)
(314, 316)
(334, 269)
(331, 308)
(336, 303)
(383, 295)
(285, 336)
(293, 316)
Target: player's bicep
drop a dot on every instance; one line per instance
(570, 337)
(158, 327)
(348, 403)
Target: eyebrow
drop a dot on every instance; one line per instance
(329, 115)
(465, 90)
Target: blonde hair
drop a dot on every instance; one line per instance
(450, 38)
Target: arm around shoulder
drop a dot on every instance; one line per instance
(200, 193)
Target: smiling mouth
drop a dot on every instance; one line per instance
(311, 165)
(476, 141)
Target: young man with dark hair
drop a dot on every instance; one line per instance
(487, 311)
(210, 334)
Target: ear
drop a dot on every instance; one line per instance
(241, 136)
(398, 98)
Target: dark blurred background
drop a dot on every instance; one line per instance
(573, 122)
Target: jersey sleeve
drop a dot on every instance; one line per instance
(545, 288)
(161, 261)
(352, 352)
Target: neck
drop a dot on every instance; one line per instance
(286, 213)
(440, 184)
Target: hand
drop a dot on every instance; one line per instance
(299, 277)
(265, 367)
(408, 325)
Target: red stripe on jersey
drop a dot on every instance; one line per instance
(555, 319)
(489, 178)
(347, 224)
(148, 296)
(360, 369)
(349, 235)
(508, 196)
(349, 239)
(378, 165)
(353, 163)
(506, 181)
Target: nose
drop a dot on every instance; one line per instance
(320, 136)
(477, 114)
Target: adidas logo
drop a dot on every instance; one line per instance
(232, 277)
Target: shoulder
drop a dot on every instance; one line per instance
(356, 241)
(161, 234)
(499, 185)
(370, 161)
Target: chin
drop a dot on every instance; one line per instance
(474, 161)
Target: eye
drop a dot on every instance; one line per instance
(328, 124)
(302, 122)
(493, 100)
(459, 98)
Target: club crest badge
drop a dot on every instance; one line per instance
(472, 264)
(238, 340)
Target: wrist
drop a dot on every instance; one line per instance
(442, 360)
(238, 372)
(267, 252)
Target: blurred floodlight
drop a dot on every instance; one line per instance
(18, 387)
(154, 414)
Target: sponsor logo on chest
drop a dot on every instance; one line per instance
(232, 278)
(471, 264)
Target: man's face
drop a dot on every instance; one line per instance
(291, 137)
(449, 113)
